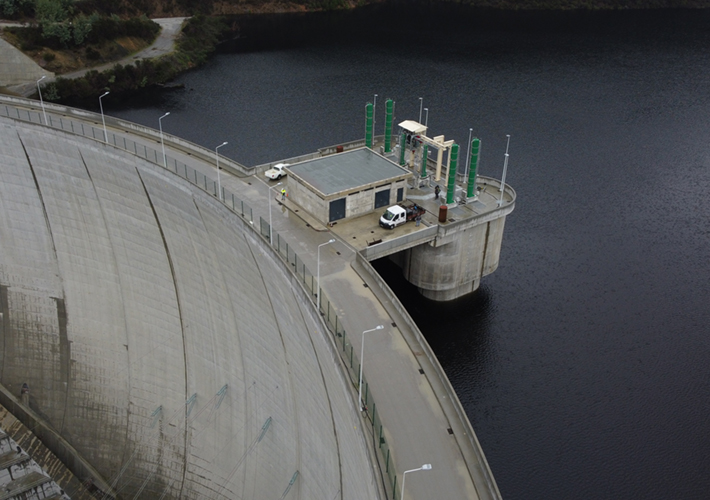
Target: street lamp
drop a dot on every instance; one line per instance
(374, 119)
(362, 353)
(103, 120)
(505, 169)
(162, 144)
(41, 101)
(318, 272)
(468, 156)
(421, 103)
(269, 200)
(404, 476)
(426, 120)
(219, 185)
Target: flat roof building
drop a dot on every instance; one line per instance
(346, 185)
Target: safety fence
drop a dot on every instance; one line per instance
(148, 153)
(285, 251)
(342, 341)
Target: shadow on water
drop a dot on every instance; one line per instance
(458, 331)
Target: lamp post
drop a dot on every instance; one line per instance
(421, 103)
(362, 353)
(426, 120)
(41, 101)
(219, 184)
(404, 476)
(505, 169)
(374, 119)
(103, 120)
(162, 144)
(269, 200)
(468, 156)
(318, 273)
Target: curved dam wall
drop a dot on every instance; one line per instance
(160, 336)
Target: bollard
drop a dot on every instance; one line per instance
(442, 213)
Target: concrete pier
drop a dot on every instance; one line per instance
(445, 260)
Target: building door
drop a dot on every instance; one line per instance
(337, 210)
(382, 199)
(400, 194)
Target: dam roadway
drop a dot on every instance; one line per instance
(418, 418)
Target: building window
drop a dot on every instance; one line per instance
(382, 198)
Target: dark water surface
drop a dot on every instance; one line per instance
(583, 361)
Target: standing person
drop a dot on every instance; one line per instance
(437, 190)
(283, 194)
(418, 219)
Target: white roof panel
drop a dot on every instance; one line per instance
(412, 126)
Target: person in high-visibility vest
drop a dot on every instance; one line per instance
(283, 193)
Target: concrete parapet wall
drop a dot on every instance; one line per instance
(399, 244)
(346, 146)
(448, 232)
(260, 169)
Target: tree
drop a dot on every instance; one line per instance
(53, 18)
(10, 8)
(82, 26)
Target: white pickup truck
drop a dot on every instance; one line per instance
(276, 172)
(399, 214)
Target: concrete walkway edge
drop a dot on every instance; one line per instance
(463, 431)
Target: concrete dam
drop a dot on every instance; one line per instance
(158, 342)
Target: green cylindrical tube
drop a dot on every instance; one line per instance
(473, 167)
(389, 104)
(425, 152)
(368, 125)
(451, 186)
(402, 147)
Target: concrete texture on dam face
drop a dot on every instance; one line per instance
(130, 299)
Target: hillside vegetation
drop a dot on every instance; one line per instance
(82, 41)
(66, 35)
(198, 40)
(27, 9)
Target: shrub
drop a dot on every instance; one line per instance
(200, 37)
(92, 54)
(48, 56)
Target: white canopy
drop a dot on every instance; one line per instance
(413, 127)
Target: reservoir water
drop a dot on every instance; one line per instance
(583, 361)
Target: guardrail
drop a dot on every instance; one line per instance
(23, 107)
(185, 171)
(345, 348)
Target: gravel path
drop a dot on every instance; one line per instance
(25, 84)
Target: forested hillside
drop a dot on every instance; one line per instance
(24, 9)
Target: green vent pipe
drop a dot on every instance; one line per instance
(368, 125)
(425, 152)
(473, 168)
(402, 147)
(451, 186)
(389, 104)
